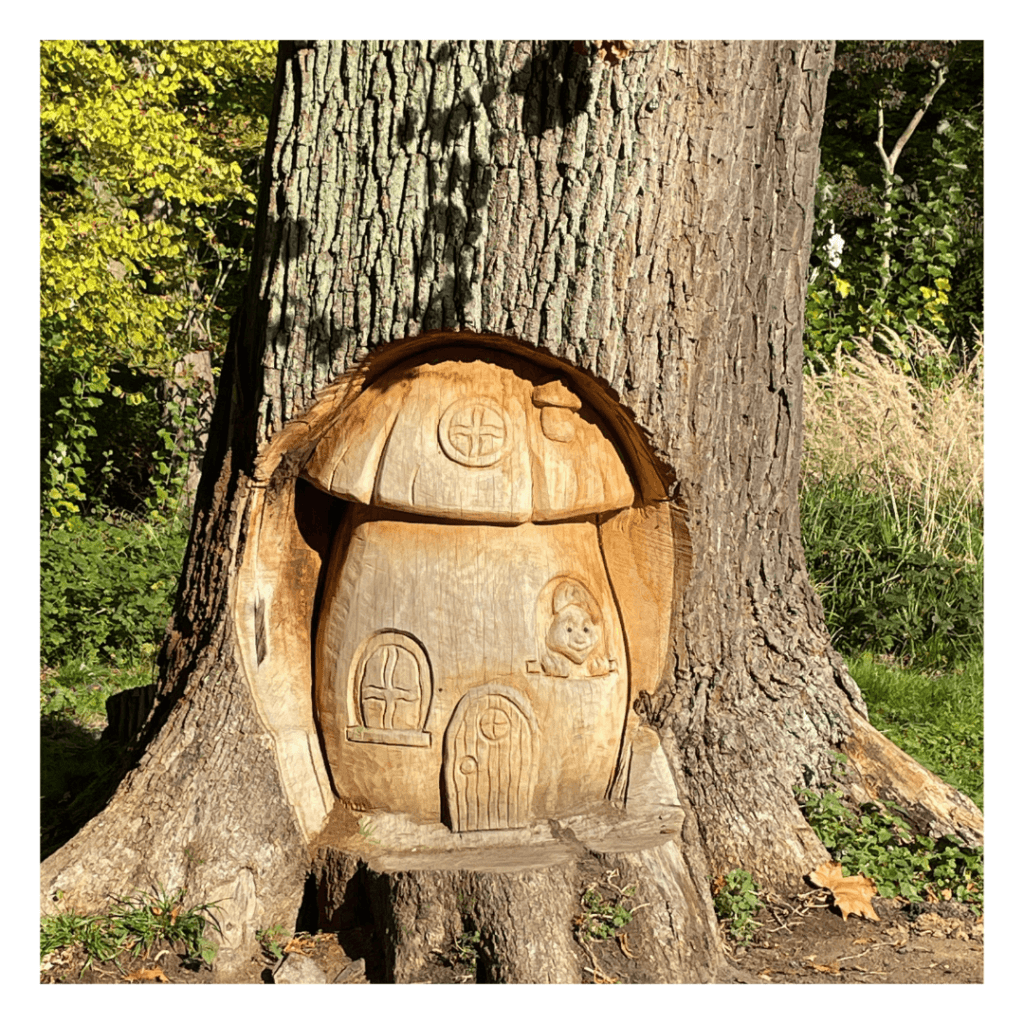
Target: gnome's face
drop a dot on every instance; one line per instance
(574, 633)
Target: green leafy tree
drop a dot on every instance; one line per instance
(899, 205)
(149, 157)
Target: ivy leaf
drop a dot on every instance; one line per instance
(851, 895)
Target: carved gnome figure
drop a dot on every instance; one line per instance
(470, 659)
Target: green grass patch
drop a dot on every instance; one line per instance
(134, 926)
(77, 768)
(77, 691)
(889, 581)
(937, 718)
(106, 589)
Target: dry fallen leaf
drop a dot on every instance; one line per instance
(825, 968)
(852, 895)
(147, 974)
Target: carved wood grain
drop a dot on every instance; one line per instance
(491, 521)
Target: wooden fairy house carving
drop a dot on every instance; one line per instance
(471, 662)
(467, 558)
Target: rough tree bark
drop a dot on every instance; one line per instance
(646, 220)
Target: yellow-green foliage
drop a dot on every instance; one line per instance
(136, 166)
(149, 155)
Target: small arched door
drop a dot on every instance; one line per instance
(490, 760)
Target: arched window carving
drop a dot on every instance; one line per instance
(392, 688)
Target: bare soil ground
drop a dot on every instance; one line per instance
(804, 942)
(800, 941)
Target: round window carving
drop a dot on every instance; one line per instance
(474, 432)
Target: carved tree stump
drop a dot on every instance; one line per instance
(495, 597)
(523, 901)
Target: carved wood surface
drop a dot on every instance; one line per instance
(490, 761)
(423, 887)
(473, 442)
(294, 532)
(471, 663)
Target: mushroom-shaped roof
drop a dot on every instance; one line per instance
(471, 441)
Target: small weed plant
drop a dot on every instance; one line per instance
(466, 948)
(737, 901)
(272, 940)
(601, 918)
(878, 841)
(133, 926)
(605, 914)
(366, 830)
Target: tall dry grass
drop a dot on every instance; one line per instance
(907, 425)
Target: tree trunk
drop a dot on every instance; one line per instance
(638, 218)
(187, 400)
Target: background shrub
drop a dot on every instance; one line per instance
(107, 588)
(892, 503)
(899, 210)
(150, 153)
(883, 588)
